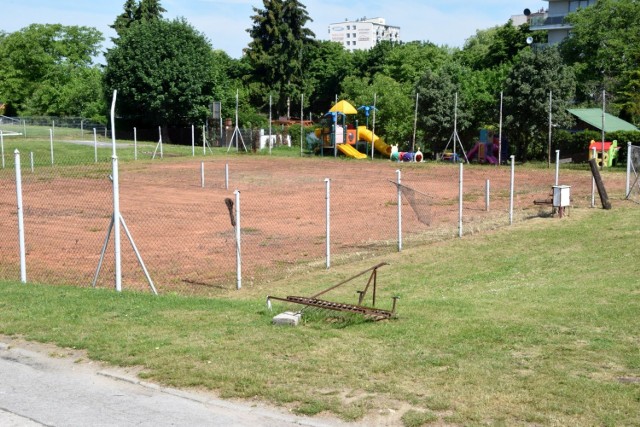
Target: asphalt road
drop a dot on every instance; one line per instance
(42, 387)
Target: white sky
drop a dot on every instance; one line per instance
(224, 22)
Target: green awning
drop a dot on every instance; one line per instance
(593, 117)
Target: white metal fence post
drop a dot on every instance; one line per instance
(328, 215)
(238, 245)
(373, 126)
(513, 171)
(604, 102)
(593, 180)
(23, 263)
(557, 166)
(487, 192)
(32, 161)
(51, 144)
(500, 132)
(399, 173)
(116, 199)
(95, 146)
(116, 224)
(628, 185)
(193, 141)
(270, 120)
(460, 196)
(135, 144)
(117, 220)
(2, 147)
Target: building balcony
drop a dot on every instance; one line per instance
(551, 23)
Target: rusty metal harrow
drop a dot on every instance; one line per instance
(369, 312)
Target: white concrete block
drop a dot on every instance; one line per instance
(287, 318)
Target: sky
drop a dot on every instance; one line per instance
(224, 22)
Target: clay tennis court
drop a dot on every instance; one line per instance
(184, 234)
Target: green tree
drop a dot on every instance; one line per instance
(163, 71)
(526, 100)
(137, 11)
(394, 104)
(476, 48)
(69, 92)
(277, 50)
(407, 62)
(81, 97)
(403, 62)
(126, 18)
(327, 65)
(391, 71)
(368, 63)
(229, 77)
(508, 41)
(47, 59)
(478, 100)
(604, 46)
(437, 92)
(495, 46)
(629, 97)
(150, 10)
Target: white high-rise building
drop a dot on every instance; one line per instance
(363, 33)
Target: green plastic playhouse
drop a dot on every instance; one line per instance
(608, 153)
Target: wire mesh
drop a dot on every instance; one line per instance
(634, 174)
(181, 225)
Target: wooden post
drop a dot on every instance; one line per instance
(606, 204)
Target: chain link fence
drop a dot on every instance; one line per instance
(296, 213)
(633, 174)
(197, 138)
(60, 127)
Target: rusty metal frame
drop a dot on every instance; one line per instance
(370, 312)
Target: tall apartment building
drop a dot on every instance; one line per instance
(363, 33)
(555, 25)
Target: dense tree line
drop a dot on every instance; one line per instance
(49, 70)
(167, 73)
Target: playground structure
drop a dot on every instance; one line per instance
(368, 136)
(348, 139)
(606, 156)
(486, 148)
(486, 153)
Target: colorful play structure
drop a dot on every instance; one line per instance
(486, 149)
(608, 153)
(334, 134)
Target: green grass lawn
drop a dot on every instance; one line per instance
(533, 324)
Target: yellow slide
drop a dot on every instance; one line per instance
(349, 151)
(378, 143)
